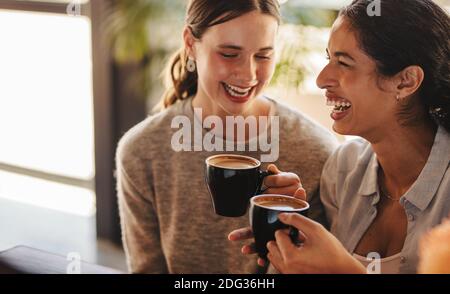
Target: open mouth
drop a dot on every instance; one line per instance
(340, 105)
(237, 92)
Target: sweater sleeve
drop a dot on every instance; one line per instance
(139, 221)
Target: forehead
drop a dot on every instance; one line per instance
(343, 37)
(251, 30)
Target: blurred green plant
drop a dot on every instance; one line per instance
(128, 26)
(131, 32)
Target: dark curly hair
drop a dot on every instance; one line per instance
(409, 32)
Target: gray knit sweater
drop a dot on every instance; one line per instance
(167, 219)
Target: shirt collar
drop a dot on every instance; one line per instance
(369, 184)
(425, 187)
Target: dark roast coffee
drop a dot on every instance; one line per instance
(281, 205)
(230, 162)
(264, 211)
(231, 181)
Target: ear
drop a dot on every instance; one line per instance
(409, 80)
(189, 42)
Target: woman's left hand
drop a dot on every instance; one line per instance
(320, 252)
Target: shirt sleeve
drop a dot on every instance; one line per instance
(139, 224)
(328, 191)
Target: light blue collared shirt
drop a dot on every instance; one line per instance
(349, 192)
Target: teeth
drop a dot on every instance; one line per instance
(339, 106)
(338, 103)
(236, 91)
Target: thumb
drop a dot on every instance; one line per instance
(307, 226)
(273, 169)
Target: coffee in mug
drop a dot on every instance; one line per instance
(231, 181)
(264, 211)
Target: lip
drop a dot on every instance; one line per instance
(239, 99)
(333, 96)
(339, 116)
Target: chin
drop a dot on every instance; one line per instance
(341, 130)
(434, 253)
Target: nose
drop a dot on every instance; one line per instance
(246, 72)
(327, 78)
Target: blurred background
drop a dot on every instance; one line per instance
(75, 76)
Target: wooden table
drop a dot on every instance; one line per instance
(26, 260)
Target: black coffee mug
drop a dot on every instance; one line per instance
(232, 180)
(264, 211)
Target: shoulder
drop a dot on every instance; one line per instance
(349, 155)
(147, 136)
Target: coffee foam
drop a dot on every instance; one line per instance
(280, 203)
(233, 162)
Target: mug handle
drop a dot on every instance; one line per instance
(294, 236)
(262, 175)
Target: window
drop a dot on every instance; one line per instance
(46, 110)
(47, 161)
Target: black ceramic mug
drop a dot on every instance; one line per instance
(232, 180)
(264, 211)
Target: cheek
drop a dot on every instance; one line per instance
(265, 72)
(216, 69)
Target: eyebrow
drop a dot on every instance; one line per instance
(341, 54)
(227, 46)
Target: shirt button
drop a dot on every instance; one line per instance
(410, 217)
(402, 259)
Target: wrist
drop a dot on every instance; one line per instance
(350, 265)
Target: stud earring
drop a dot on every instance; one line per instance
(397, 98)
(190, 65)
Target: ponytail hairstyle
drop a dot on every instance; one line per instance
(202, 14)
(409, 32)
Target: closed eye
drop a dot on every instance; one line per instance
(262, 57)
(228, 55)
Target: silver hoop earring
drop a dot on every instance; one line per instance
(190, 65)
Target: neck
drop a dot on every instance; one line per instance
(402, 153)
(259, 106)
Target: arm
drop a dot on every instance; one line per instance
(140, 228)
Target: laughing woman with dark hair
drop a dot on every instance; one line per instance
(388, 78)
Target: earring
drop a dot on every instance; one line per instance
(190, 65)
(397, 98)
